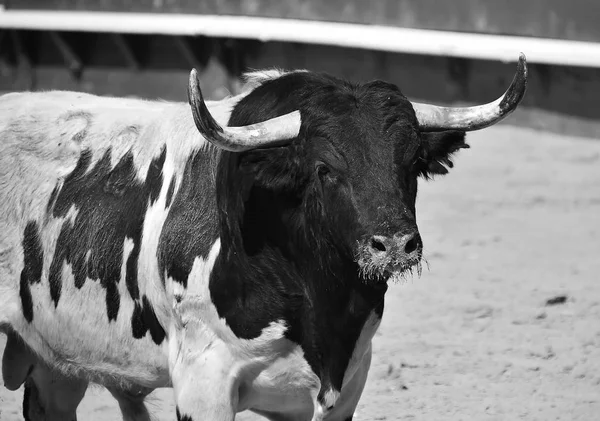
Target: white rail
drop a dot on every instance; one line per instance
(370, 37)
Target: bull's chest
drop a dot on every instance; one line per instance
(288, 386)
(268, 373)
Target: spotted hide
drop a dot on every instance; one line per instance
(238, 251)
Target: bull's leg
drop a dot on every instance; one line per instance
(204, 390)
(51, 396)
(203, 377)
(351, 393)
(132, 403)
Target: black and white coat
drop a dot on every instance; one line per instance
(136, 255)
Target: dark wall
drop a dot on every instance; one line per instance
(572, 19)
(152, 66)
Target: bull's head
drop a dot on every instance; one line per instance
(339, 163)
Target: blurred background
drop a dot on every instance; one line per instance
(135, 59)
(504, 324)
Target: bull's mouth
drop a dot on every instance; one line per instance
(399, 273)
(373, 272)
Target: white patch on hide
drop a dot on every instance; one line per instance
(270, 371)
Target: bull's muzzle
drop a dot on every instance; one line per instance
(384, 257)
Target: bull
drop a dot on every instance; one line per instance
(239, 254)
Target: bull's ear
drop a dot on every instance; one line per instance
(436, 151)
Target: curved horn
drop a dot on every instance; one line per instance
(434, 119)
(274, 132)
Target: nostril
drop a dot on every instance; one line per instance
(377, 243)
(412, 245)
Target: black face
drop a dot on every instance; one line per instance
(348, 184)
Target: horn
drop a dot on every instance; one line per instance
(274, 132)
(432, 118)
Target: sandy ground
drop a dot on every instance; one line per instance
(516, 223)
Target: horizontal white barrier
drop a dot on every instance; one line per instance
(370, 37)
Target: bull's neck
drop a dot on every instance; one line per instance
(321, 301)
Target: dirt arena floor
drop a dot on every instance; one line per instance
(505, 324)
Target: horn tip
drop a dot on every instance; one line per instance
(192, 84)
(516, 91)
(522, 65)
(205, 122)
(194, 80)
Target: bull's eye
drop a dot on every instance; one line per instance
(322, 169)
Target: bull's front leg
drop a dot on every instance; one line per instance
(351, 392)
(203, 375)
